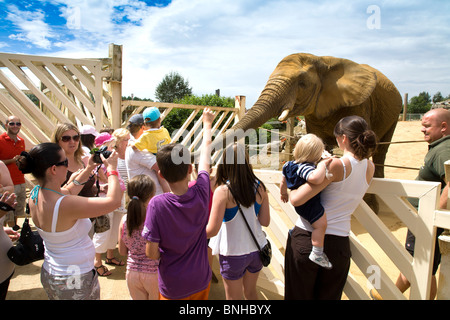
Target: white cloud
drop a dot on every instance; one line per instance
(235, 45)
(32, 25)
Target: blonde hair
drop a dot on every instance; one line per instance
(308, 149)
(120, 134)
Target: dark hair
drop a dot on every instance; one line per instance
(88, 140)
(140, 188)
(362, 139)
(153, 124)
(236, 168)
(39, 159)
(173, 161)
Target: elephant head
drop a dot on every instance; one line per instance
(324, 90)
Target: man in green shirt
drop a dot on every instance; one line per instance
(436, 130)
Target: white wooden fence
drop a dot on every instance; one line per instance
(392, 192)
(81, 91)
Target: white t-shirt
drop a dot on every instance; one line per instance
(141, 162)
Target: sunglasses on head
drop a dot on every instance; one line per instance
(64, 163)
(17, 124)
(67, 138)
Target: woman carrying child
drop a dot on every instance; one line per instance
(340, 196)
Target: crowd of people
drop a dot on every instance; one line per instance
(135, 195)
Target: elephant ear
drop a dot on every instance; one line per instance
(344, 84)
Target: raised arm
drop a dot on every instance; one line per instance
(205, 149)
(90, 207)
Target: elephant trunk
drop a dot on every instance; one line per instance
(268, 105)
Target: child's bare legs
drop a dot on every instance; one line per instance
(317, 239)
(244, 287)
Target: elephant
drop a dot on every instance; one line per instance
(325, 89)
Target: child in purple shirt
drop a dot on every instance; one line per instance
(175, 225)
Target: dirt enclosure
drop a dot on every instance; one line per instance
(25, 285)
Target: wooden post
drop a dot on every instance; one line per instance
(405, 107)
(115, 81)
(239, 103)
(447, 180)
(443, 292)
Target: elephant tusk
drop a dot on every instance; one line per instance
(284, 115)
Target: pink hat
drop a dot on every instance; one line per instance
(87, 129)
(103, 138)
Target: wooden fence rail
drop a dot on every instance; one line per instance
(393, 193)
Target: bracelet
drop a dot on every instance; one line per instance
(114, 173)
(78, 183)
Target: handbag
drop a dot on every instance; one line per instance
(29, 247)
(101, 224)
(265, 253)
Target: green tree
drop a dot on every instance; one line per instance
(172, 87)
(176, 118)
(420, 103)
(438, 97)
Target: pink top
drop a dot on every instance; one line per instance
(137, 260)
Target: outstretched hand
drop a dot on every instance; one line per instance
(208, 116)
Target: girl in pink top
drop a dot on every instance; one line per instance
(142, 272)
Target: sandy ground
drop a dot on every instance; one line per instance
(25, 285)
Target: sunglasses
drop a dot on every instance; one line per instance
(17, 124)
(64, 163)
(67, 138)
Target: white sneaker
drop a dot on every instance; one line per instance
(321, 260)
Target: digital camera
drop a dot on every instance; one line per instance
(97, 152)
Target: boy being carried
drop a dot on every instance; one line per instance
(175, 225)
(155, 136)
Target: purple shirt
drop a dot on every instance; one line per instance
(178, 224)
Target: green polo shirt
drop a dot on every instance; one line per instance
(433, 166)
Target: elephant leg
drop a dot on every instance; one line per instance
(379, 158)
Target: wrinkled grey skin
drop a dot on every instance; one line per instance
(324, 90)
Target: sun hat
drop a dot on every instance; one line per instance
(103, 138)
(137, 119)
(152, 113)
(88, 129)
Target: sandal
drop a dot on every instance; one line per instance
(114, 262)
(105, 271)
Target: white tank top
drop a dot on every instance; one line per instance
(341, 198)
(68, 252)
(234, 238)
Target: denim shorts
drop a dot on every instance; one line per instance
(234, 267)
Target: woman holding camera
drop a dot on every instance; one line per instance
(67, 136)
(63, 221)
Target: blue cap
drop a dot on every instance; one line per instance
(152, 113)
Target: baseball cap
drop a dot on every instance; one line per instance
(87, 129)
(152, 113)
(103, 138)
(137, 119)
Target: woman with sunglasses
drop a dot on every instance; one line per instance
(67, 136)
(63, 221)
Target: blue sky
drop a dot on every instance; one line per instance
(234, 45)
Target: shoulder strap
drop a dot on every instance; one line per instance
(240, 210)
(56, 213)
